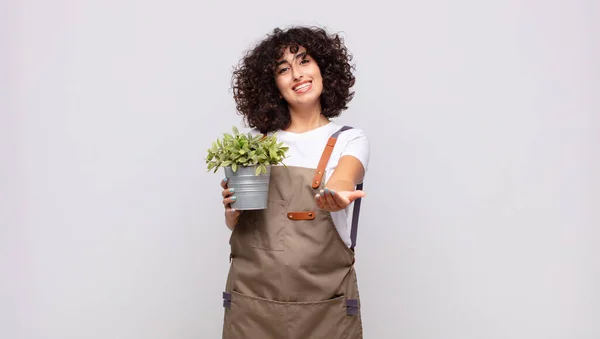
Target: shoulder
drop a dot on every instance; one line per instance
(349, 133)
(353, 137)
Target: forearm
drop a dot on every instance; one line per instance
(347, 175)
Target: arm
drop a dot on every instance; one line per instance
(340, 190)
(348, 173)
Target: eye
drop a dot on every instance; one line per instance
(282, 70)
(304, 61)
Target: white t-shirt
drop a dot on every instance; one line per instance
(305, 150)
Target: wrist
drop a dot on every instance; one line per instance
(340, 185)
(230, 221)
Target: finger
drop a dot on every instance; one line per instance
(319, 201)
(326, 198)
(224, 183)
(227, 192)
(356, 195)
(322, 199)
(329, 194)
(228, 201)
(338, 200)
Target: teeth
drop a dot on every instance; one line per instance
(302, 86)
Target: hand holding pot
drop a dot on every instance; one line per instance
(333, 201)
(231, 215)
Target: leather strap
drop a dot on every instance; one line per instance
(309, 215)
(323, 162)
(325, 157)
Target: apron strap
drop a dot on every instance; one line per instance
(355, 213)
(325, 157)
(319, 176)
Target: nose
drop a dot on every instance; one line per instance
(296, 73)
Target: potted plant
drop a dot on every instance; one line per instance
(247, 162)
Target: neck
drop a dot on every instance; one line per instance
(304, 120)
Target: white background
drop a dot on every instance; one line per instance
(483, 211)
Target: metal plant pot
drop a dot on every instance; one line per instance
(251, 190)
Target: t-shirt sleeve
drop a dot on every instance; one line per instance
(358, 146)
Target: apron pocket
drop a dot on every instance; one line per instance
(253, 317)
(328, 319)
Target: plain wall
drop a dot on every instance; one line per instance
(483, 209)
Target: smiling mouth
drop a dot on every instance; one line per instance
(303, 87)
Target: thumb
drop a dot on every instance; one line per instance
(353, 195)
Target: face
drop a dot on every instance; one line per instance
(298, 78)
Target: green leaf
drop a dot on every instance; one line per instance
(245, 150)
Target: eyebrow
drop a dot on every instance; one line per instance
(299, 55)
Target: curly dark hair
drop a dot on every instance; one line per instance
(255, 92)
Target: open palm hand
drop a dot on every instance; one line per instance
(332, 201)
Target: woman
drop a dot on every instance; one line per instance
(292, 274)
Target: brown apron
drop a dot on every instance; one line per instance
(291, 274)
